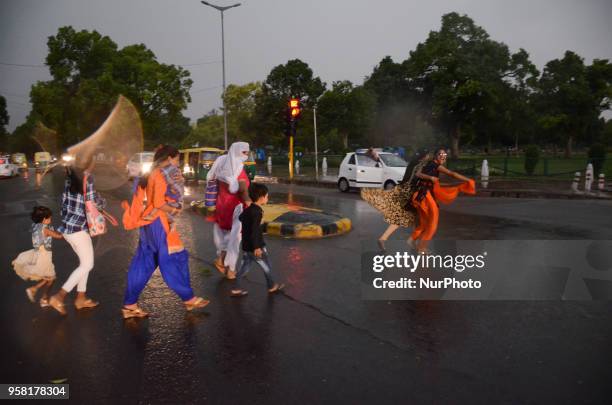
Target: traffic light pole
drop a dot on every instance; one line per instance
(291, 157)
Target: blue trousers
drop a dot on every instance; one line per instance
(152, 252)
(247, 260)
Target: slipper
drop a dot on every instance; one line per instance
(31, 294)
(199, 302)
(58, 306)
(88, 303)
(239, 293)
(219, 266)
(133, 313)
(276, 288)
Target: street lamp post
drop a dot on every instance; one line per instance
(315, 144)
(222, 9)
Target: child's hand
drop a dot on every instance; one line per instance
(258, 253)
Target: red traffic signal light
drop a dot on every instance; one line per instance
(294, 108)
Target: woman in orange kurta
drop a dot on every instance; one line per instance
(159, 245)
(429, 192)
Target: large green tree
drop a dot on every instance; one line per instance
(572, 96)
(348, 110)
(293, 79)
(460, 75)
(89, 72)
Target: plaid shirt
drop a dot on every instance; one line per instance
(73, 207)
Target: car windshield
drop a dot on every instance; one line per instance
(208, 155)
(393, 160)
(147, 157)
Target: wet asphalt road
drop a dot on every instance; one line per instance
(319, 342)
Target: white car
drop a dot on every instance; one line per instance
(360, 170)
(140, 164)
(8, 168)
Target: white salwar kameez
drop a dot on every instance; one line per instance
(229, 241)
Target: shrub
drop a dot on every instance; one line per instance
(532, 156)
(597, 157)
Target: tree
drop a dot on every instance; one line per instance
(240, 102)
(347, 109)
(397, 119)
(572, 96)
(208, 131)
(89, 72)
(4, 120)
(293, 79)
(460, 76)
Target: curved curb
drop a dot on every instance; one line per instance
(308, 230)
(293, 222)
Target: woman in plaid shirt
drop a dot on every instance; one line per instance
(75, 231)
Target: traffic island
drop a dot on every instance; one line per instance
(291, 221)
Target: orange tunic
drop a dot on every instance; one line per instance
(134, 213)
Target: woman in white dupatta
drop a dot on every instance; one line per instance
(232, 198)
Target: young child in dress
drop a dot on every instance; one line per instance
(36, 264)
(253, 244)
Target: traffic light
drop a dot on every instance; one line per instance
(294, 108)
(293, 114)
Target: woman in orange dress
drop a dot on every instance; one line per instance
(429, 192)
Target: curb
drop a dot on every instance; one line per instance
(542, 194)
(493, 193)
(308, 230)
(290, 222)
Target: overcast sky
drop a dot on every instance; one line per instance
(339, 39)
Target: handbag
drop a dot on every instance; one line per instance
(210, 195)
(96, 219)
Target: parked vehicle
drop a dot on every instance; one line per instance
(139, 164)
(359, 170)
(196, 162)
(8, 168)
(20, 160)
(42, 161)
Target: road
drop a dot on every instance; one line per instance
(319, 342)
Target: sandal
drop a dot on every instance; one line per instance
(133, 313)
(44, 302)
(276, 288)
(31, 294)
(88, 303)
(239, 293)
(199, 302)
(219, 266)
(58, 306)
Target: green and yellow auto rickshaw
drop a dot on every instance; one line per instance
(20, 160)
(250, 166)
(196, 162)
(42, 161)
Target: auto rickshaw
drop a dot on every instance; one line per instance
(196, 162)
(42, 161)
(250, 166)
(20, 160)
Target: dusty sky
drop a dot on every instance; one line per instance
(339, 39)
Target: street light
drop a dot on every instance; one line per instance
(222, 9)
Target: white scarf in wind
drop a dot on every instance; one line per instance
(227, 168)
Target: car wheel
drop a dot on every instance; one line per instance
(389, 185)
(343, 185)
